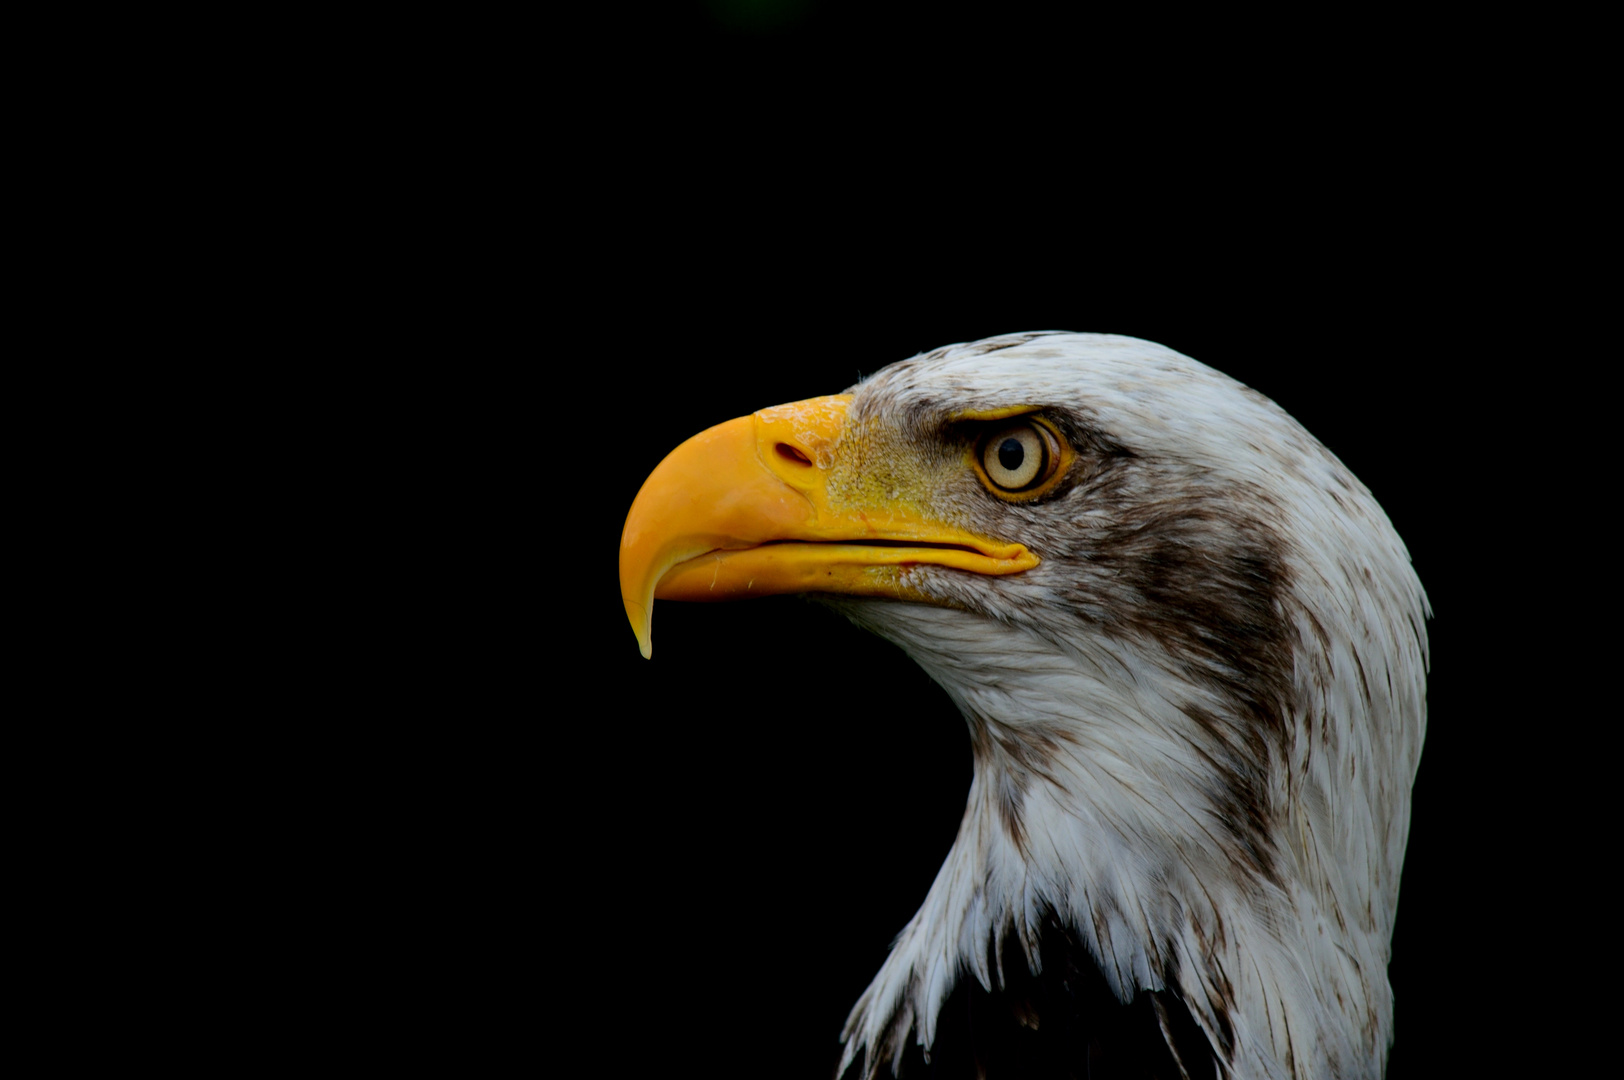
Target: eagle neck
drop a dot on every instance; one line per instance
(1085, 809)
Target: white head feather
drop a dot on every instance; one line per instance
(1228, 816)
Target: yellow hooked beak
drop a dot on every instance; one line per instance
(745, 509)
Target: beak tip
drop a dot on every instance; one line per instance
(641, 618)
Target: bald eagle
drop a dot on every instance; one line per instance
(1191, 652)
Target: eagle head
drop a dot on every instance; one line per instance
(1191, 652)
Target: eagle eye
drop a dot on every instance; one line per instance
(1020, 457)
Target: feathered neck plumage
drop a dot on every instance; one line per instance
(1091, 803)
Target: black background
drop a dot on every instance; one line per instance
(583, 241)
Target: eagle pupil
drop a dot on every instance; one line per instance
(1011, 453)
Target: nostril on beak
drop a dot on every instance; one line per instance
(790, 453)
